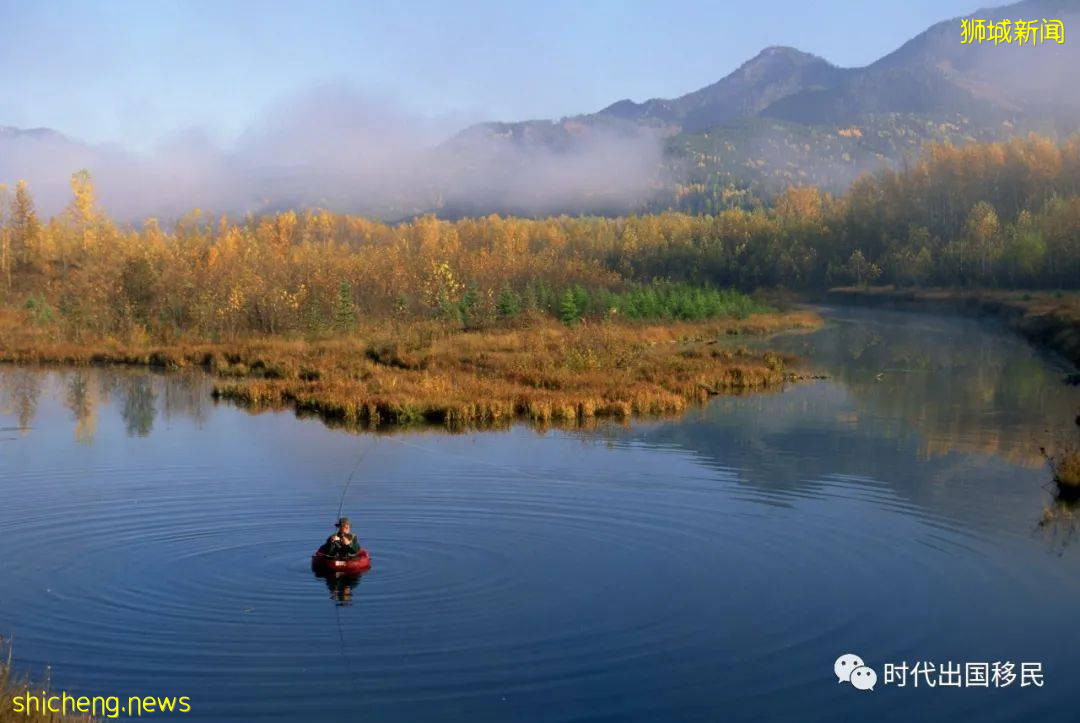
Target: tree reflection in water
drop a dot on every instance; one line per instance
(20, 391)
(141, 396)
(138, 409)
(81, 399)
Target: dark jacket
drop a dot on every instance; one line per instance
(337, 548)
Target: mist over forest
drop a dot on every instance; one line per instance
(783, 118)
(339, 148)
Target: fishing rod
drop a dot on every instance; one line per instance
(336, 592)
(340, 602)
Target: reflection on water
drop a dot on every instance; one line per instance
(1060, 523)
(340, 585)
(138, 410)
(81, 399)
(21, 389)
(956, 383)
(83, 390)
(707, 567)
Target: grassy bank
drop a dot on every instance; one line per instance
(13, 685)
(1046, 318)
(1066, 469)
(400, 373)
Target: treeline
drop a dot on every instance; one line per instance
(1000, 214)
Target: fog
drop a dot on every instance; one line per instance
(346, 150)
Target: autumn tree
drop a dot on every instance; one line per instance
(860, 270)
(1024, 252)
(6, 260)
(25, 229)
(990, 213)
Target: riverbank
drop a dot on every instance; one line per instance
(13, 686)
(402, 373)
(1047, 319)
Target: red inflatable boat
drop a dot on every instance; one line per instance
(353, 565)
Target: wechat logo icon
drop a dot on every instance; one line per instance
(850, 668)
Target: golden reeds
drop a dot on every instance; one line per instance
(14, 686)
(1066, 469)
(421, 372)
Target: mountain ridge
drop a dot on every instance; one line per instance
(783, 117)
(931, 72)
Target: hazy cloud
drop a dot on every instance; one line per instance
(336, 147)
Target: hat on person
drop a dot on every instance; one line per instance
(342, 521)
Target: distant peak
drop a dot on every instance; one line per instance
(781, 50)
(775, 53)
(623, 104)
(13, 132)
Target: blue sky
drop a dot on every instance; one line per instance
(136, 72)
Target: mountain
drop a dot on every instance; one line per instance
(776, 73)
(783, 117)
(935, 74)
(8, 133)
(787, 116)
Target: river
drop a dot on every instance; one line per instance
(710, 567)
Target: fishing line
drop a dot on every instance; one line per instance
(337, 591)
(359, 459)
(338, 604)
(474, 460)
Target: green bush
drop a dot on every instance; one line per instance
(683, 302)
(568, 309)
(658, 300)
(40, 311)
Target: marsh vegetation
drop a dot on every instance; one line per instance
(482, 320)
(926, 429)
(414, 372)
(1066, 468)
(13, 684)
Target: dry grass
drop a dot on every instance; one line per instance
(408, 373)
(1066, 469)
(1060, 523)
(12, 685)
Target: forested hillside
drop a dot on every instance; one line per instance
(997, 214)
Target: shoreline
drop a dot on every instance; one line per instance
(14, 685)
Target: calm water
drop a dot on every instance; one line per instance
(711, 567)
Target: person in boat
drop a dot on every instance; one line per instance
(342, 544)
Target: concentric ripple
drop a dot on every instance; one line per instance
(708, 568)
